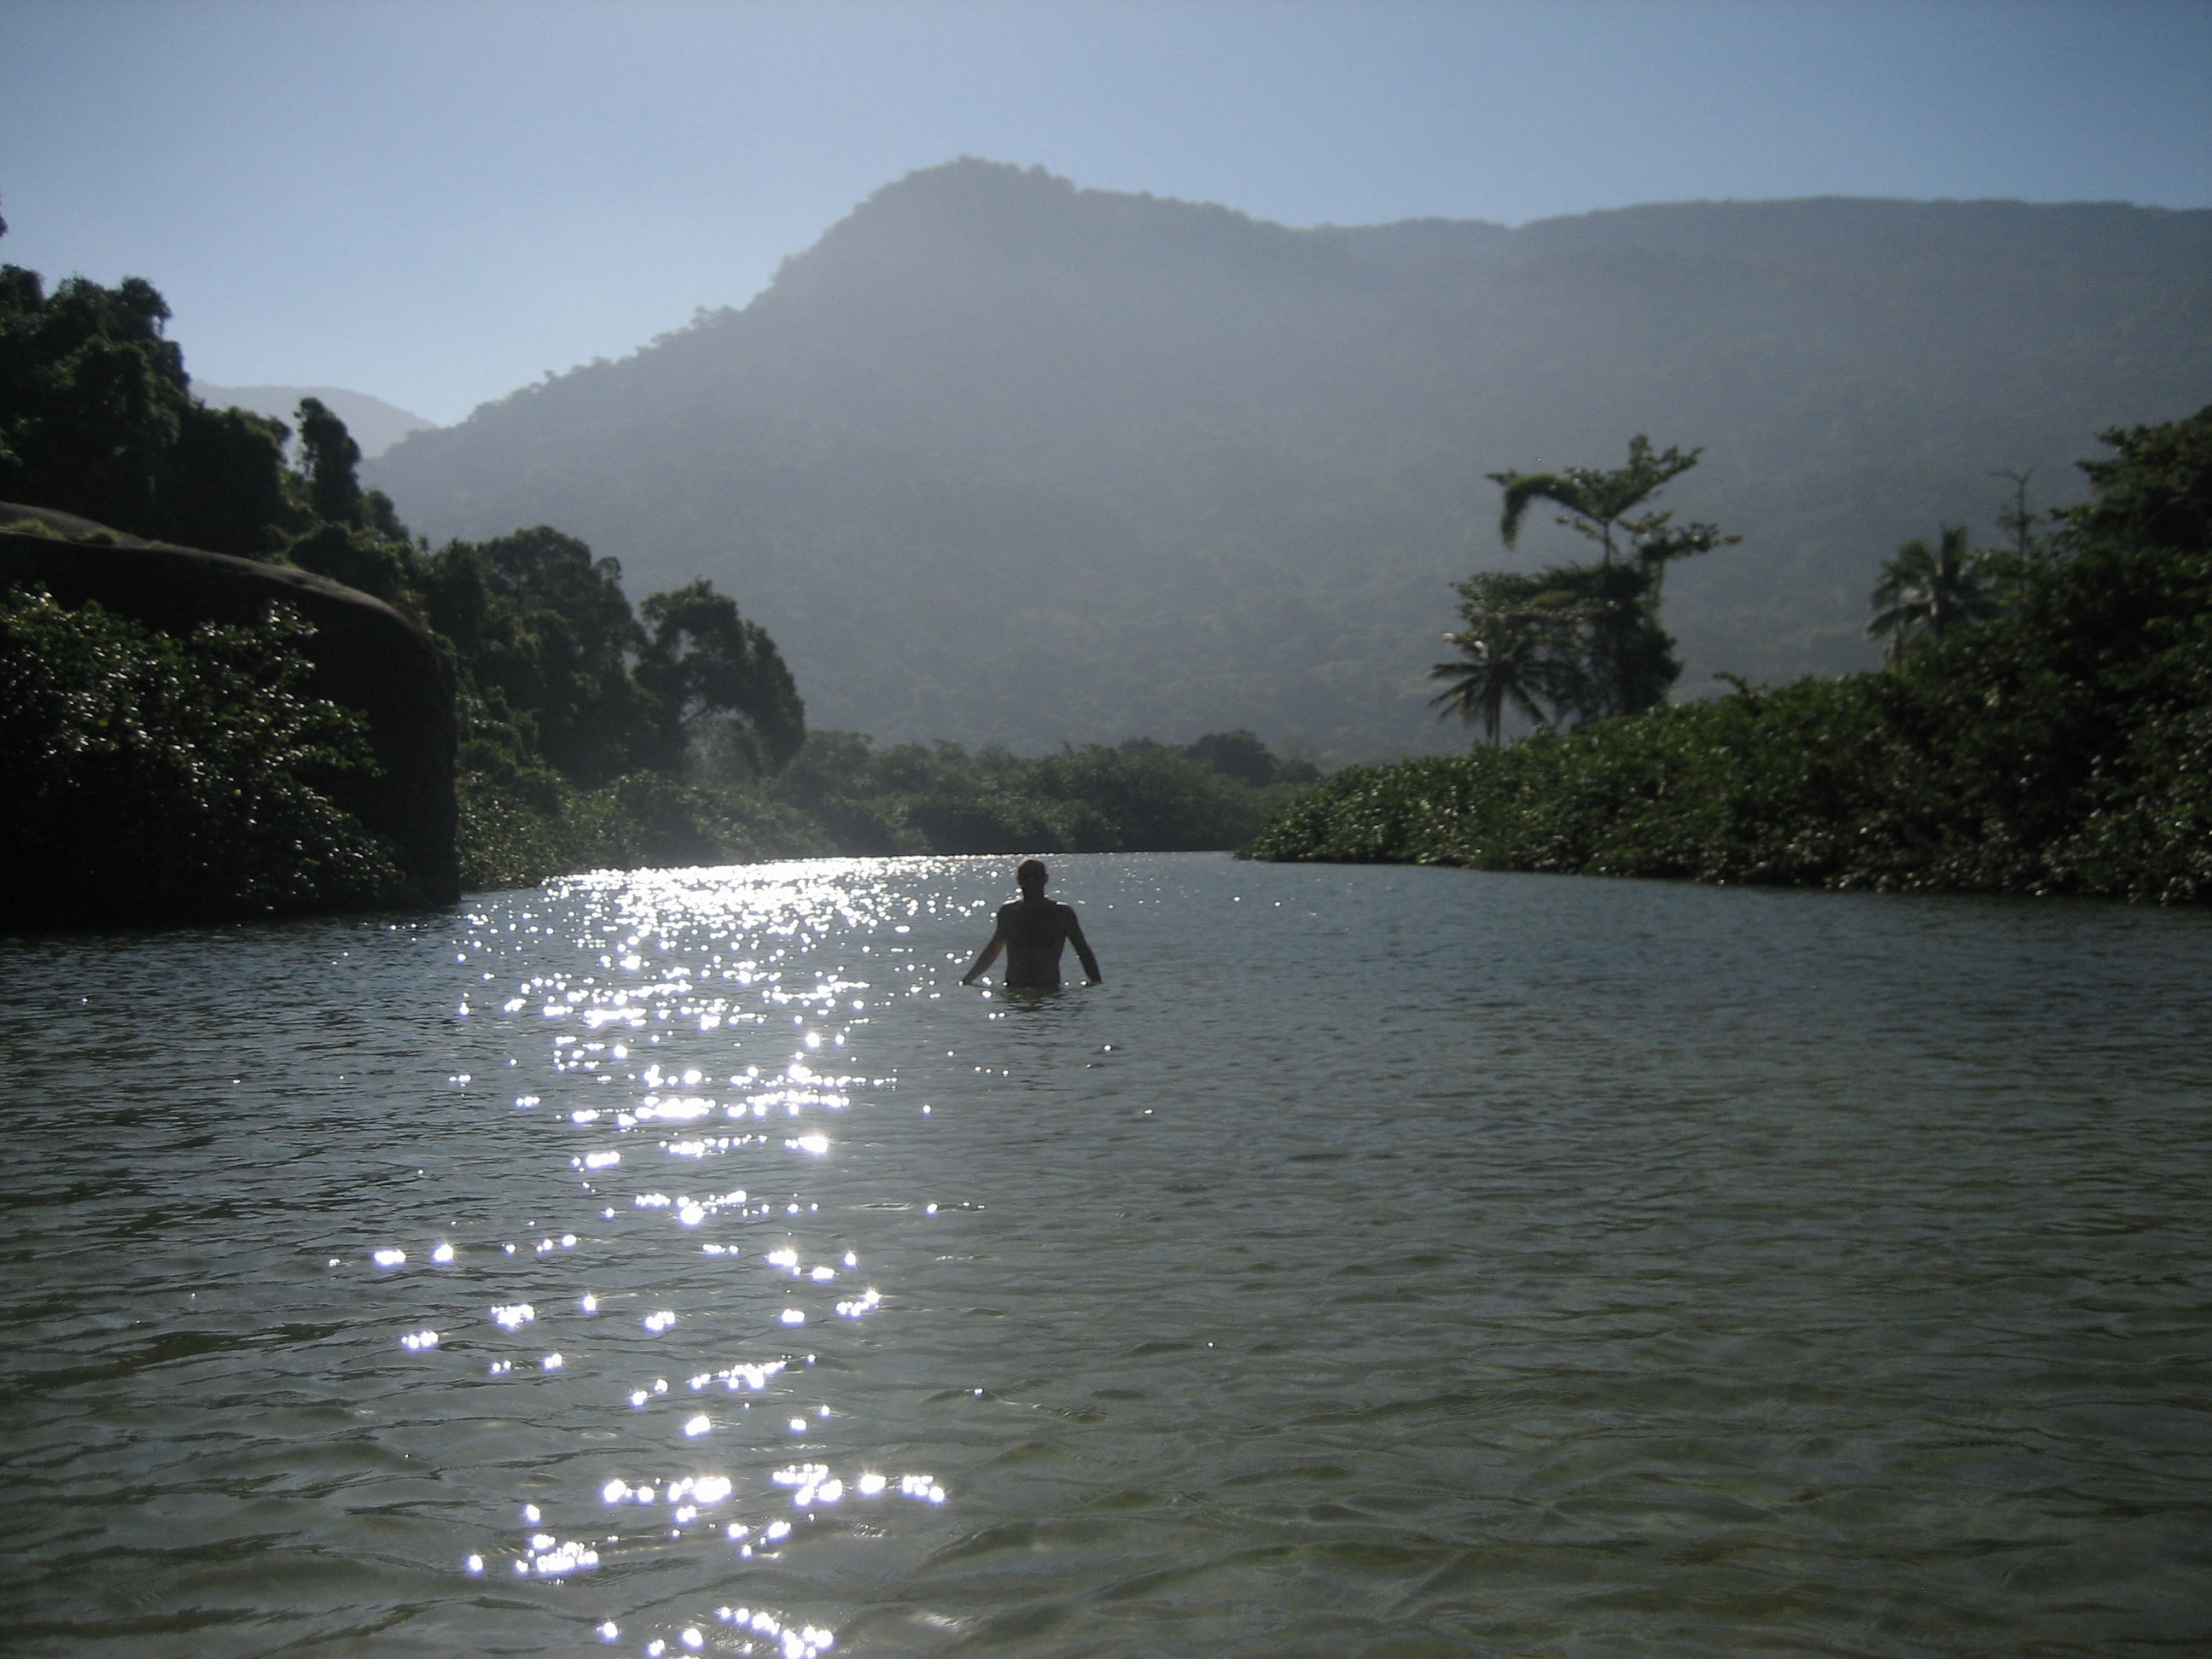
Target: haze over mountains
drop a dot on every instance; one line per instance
(1002, 459)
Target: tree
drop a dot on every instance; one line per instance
(702, 660)
(1601, 649)
(2014, 518)
(1930, 590)
(545, 635)
(352, 535)
(97, 418)
(2156, 493)
(328, 456)
(91, 397)
(1596, 499)
(1510, 652)
(221, 485)
(1238, 754)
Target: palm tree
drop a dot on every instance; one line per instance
(1931, 590)
(1628, 660)
(1508, 654)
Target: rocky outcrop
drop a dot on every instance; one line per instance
(367, 656)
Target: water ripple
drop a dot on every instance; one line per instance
(1383, 1262)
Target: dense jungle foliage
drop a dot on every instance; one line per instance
(2063, 745)
(183, 779)
(565, 690)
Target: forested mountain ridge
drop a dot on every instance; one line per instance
(1000, 459)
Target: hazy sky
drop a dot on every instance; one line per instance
(437, 202)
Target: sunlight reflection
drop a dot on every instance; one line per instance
(713, 980)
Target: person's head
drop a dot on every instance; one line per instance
(1030, 874)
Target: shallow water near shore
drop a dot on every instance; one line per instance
(1383, 1261)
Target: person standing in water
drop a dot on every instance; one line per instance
(1031, 930)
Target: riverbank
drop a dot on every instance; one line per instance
(2064, 746)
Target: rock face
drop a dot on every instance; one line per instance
(367, 656)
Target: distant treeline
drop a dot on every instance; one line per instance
(843, 797)
(2061, 745)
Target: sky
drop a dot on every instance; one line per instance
(434, 202)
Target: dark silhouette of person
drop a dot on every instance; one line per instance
(1031, 930)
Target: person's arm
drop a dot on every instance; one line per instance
(988, 955)
(1082, 948)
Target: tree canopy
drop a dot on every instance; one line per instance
(1576, 641)
(703, 661)
(1928, 591)
(563, 690)
(97, 418)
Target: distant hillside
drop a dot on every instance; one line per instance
(375, 425)
(999, 459)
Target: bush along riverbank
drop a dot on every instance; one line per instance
(2063, 745)
(155, 777)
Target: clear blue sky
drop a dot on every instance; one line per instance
(435, 201)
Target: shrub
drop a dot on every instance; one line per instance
(154, 778)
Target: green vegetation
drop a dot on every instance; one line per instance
(1931, 590)
(97, 419)
(1583, 638)
(591, 734)
(844, 797)
(592, 739)
(1137, 796)
(577, 718)
(2063, 745)
(151, 777)
(2042, 726)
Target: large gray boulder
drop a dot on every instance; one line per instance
(367, 656)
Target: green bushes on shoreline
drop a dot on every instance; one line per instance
(154, 778)
(2063, 746)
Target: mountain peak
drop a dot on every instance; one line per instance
(971, 219)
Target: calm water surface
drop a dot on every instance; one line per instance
(1387, 1262)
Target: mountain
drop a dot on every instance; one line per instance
(1002, 459)
(375, 425)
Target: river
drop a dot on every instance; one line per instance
(1385, 1262)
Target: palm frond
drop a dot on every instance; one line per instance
(1524, 489)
